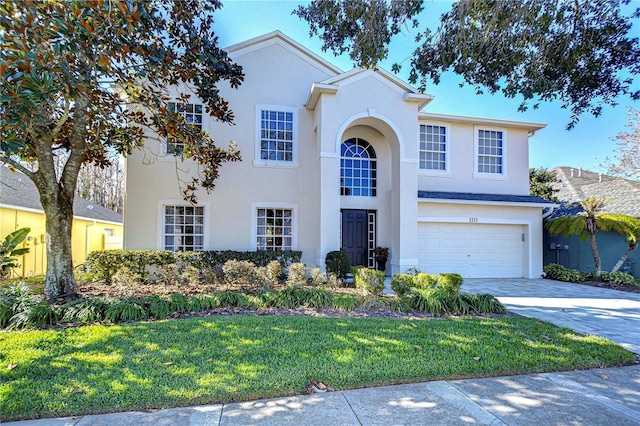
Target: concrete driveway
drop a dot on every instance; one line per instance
(612, 314)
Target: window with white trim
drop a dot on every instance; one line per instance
(276, 135)
(183, 228)
(357, 168)
(274, 229)
(490, 151)
(192, 113)
(433, 147)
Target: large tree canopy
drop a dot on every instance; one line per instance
(577, 52)
(86, 78)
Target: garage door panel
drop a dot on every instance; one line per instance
(472, 250)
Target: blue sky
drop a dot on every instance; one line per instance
(586, 146)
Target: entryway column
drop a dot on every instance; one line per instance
(405, 217)
(329, 222)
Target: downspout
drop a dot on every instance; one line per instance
(87, 239)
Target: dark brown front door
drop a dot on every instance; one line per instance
(354, 236)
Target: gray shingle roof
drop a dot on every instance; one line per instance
(505, 198)
(575, 185)
(18, 190)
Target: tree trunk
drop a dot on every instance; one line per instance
(624, 258)
(59, 281)
(596, 256)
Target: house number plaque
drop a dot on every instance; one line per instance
(473, 220)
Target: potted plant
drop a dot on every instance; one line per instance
(381, 255)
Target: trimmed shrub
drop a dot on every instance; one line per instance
(242, 273)
(336, 262)
(317, 277)
(182, 275)
(323, 279)
(103, 265)
(271, 274)
(425, 281)
(619, 278)
(296, 275)
(126, 277)
(368, 280)
(450, 282)
(401, 283)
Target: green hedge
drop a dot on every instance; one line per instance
(102, 265)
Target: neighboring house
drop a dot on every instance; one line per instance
(94, 227)
(623, 197)
(335, 159)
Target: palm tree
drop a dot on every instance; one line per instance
(590, 220)
(632, 239)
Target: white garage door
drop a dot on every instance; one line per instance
(471, 250)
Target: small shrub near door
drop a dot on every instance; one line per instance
(368, 280)
(401, 283)
(336, 262)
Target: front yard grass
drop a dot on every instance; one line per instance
(104, 368)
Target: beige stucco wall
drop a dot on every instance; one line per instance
(462, 155)
(367, 105)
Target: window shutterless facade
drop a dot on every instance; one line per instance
(183, 228)
(276, 136)
(358, 173)
(274, 229)
(192, 113)
(433, 147)
(490, 153)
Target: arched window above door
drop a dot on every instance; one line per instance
(357, 168)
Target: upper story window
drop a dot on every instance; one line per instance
(357, 168)
(490, 152)
(192, 113)
(277, 134)
(183, 228)
(433, 147)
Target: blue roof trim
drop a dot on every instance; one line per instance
(501, 198)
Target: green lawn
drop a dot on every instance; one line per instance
(103, 368)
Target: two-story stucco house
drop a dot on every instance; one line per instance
(335, 159)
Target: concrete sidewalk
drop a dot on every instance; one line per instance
(608, 396)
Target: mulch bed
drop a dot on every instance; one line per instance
(101, 288)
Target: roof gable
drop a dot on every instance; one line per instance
(277, 37)
(333, 84)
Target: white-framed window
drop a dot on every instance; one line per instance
(276, 136)
(193, 114)
(274, 229)
(358, 168)
(274, 226)
(434, 148)
(183, 227)
(109, 232)
(490, 150)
